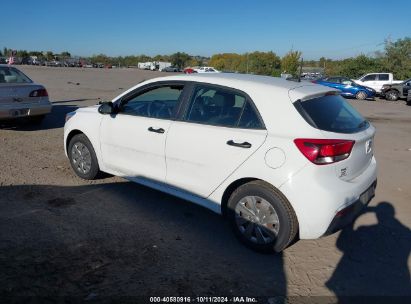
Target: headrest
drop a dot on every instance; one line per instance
(224, 100)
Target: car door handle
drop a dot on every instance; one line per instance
(241, 145)
(159, 130)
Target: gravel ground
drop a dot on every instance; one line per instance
(62, 236)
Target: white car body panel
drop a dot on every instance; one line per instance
(203, 149)
(193, 161)
(127, 146)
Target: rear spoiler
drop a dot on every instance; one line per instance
(310, 91)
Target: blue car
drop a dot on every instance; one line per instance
(347, 87)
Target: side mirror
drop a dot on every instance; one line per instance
(106, 108)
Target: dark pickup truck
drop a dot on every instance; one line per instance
(395, 91)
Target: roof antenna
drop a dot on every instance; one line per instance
(301, 70)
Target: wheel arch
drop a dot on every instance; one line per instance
(394, 90)
(237, 183)
(230, 189)
(72, 133)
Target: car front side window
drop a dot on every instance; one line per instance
(158, 102)
(371, 77)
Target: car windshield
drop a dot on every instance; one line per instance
(12, 75)
(331, 113)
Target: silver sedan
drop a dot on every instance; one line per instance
(21, 97)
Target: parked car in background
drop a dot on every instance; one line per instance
(395, 91)
(377, 80)
(36, 61)
(3, 60)
(171, 69)
(53, 63)
(279, 158)
(207, 70)
(190, 70)
(347, 87)
(21, 97)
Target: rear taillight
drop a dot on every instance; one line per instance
(324, 151)
(39, 93)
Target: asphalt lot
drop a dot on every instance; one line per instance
(60, 235)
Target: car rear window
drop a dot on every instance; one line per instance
(331, 113)
(11, 75)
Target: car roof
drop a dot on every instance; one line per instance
(253, 85)
(238, 81)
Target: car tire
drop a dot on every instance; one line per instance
(268, 223)
(361, 95)
(392, 95)
(82, 157)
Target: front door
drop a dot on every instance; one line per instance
(372, 82)
(133, 141)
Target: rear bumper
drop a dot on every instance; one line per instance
(347, 215)
(317, 198)
(13, 111)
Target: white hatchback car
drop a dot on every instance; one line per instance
(281, 159)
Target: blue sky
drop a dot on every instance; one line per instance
(334, 29)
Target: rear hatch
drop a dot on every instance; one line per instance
(337, 119)
(19, 94)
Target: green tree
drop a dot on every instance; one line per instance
(101, 58)
(261, 63)
(290, 62)
(360, 65)
(22, 53)
(180, 59)
(165, 58)
(65, 55)
(397, 58)
(49, 55)
(322, 63)
(6, 52)
(36, 53)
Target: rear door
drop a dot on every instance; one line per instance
(219, 129)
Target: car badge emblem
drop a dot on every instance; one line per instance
(368, 146)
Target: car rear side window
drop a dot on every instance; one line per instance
(331, 113)
(222, 107)
(383, 77)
